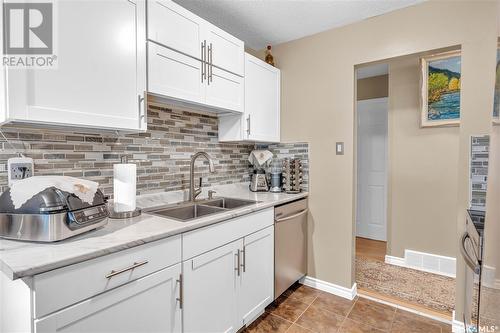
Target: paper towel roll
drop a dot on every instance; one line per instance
(124, 187)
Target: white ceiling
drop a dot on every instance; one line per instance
(262, 22)
(373, 70)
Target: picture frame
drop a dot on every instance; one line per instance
(440, 89)
(496, 102)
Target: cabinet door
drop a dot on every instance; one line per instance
(262, 100)
(227, 51)
(257, 278)
(100, 77)
(145, 305)
(175, 27)
(209, 302)
(174, 75)
(224, 90)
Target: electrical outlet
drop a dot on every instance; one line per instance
(19, 168)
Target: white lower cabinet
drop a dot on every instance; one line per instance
(257, 278)
(148, 304)
(213, 279)
(228, 287)
(209, 303)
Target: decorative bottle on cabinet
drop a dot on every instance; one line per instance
(269, 57)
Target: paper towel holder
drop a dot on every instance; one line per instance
(123, 215)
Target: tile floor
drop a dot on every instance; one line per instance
(306, 310)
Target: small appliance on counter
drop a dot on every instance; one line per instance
(259, 159)
(275, 176)
(52, 214)
(292, 175)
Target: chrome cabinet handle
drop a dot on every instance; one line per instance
(248, 125)
(180, 299)
(293, 216)
(467, 258)
(210, 64)
(238, 263)
(244, 264)
(139, 103)
(120, 271)
(203, 62)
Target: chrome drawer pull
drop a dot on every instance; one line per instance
(132, 267)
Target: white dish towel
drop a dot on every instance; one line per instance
(23, 190)
(259, 157)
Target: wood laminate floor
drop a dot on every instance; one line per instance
(306, 310)
(370, 249)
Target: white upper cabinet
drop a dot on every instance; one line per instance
(261, 118)
(224, 51)
(175, 27)
(174, 74)
(193, 61)
(100, 78)
(225, 90)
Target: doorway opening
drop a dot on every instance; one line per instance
(405, 181)
(372, 155)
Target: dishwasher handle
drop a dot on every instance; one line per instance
(465, 254)
(302, 212)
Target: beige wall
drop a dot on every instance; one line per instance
(422, 205)
(318, 99)
(372, 87)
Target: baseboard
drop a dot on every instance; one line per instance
(331, 288)
(456, 325)
(426, 262)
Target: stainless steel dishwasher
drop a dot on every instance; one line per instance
(290, 244)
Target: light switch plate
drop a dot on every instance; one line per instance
(19, 168)
(339, 148)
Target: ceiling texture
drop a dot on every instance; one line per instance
(268, 22)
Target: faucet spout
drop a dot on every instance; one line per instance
(194, 192)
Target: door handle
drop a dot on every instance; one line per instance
(203, 60)
(210, 64)
(180, 299)
(238, 262)
(293, 216)
(244, 264)
(467, 258)
(140, 99)
(248, 125)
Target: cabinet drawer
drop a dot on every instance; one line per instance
(208, 238)
(92, 277)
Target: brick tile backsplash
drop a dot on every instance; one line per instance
(479, 171)
(162, 153)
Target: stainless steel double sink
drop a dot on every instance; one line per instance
(188, 211)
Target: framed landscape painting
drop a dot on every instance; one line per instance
(441, 75)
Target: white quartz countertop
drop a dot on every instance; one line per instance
(20, 259)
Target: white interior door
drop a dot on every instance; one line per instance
(371, 217)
